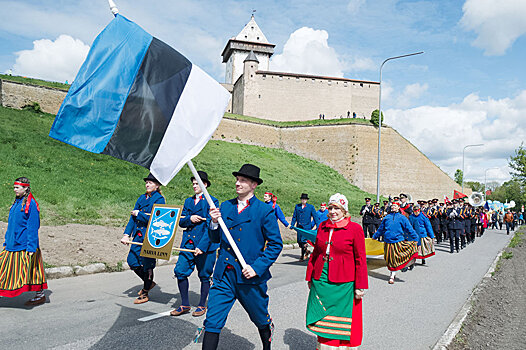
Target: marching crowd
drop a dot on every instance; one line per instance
(336, 271)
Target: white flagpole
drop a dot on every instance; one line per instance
(221, 222)
(113, 7)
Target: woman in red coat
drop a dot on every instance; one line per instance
(337, 277)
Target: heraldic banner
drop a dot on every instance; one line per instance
(161, 230)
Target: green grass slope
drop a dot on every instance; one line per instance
(75, 186)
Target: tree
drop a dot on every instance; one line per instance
(475, 186)
(374, 117)
(512, 190)
(459, 176)
(518, 164)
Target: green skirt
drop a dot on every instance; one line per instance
(330, 307)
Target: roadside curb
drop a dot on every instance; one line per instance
(456, 324)
(70, 271)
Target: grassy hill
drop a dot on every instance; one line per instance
(75, 186)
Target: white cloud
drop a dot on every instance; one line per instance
(405, 98)
(359, 64)
(497, 23)
(354, 5)
(57, 60)
(307, 51)
(442, 132)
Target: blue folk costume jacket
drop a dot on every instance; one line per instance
(251, 229)
(22, 227)
(422, 226)
(136, 227)
(198, 233)
(322, 215)
(395, 227)
(304, 217)
(279, 213)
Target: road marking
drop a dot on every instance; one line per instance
(155, 316)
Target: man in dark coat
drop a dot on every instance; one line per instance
(368, 220)
(304, 217)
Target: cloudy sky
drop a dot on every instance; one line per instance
(469, 86)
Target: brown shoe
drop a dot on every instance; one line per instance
(199, 311)
(36, 301)
(143, 298)
(141, 292)
(180, 310)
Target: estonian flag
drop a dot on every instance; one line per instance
(137, 99)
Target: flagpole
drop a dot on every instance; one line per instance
(220, 220)
(113, 8)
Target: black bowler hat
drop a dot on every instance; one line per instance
(203, 176)
(304, 196)
(150, 177)
(250, 171)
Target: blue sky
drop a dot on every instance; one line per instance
(468, 87)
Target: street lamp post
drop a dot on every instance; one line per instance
(380, 119)
(485, 172)
(477, 145)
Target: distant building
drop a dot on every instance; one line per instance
(259, 92)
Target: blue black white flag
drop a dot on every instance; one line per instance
(137, 99)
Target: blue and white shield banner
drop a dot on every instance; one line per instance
(161, 230)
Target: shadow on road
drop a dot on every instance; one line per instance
(162, 333)
(19, 301)
(299, 340)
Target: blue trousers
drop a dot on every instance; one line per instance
(187, 262)
(454, 235)
(136, 260)
(223, 294)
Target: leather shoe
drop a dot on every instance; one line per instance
(143, 298)
(36, 301)
(199, 311)
(180, 310)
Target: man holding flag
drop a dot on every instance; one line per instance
(253, 225)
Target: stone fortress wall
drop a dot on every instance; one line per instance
(18, 95)
(352, 151)
(349, 149)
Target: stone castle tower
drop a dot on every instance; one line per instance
(251, 38)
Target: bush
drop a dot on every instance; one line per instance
(33, 107)
(374, 117)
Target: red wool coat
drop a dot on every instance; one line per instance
(347, 257)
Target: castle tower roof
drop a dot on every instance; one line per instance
(251, 57)
(252, 32)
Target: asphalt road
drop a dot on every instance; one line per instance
(97, 311)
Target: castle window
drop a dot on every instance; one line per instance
(252, 28)
(345, 84)
(257, 38)
(329, 82)
(361, 84)
(281, 77)
(297, 78)
(313, 80)
(252, 75)
(264, 76)
(259, 96)
(245, 36)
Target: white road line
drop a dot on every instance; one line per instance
(153, 317)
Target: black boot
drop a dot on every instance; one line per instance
(266, 336)
(210, 341)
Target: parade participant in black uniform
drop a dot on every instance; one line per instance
(443, 221)
(454, 225)
(435, 220)
(462, 218)
(405, 208)
(377, 214)
(468, 212)
(368, 220)
(385, 209)
(254, 228)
